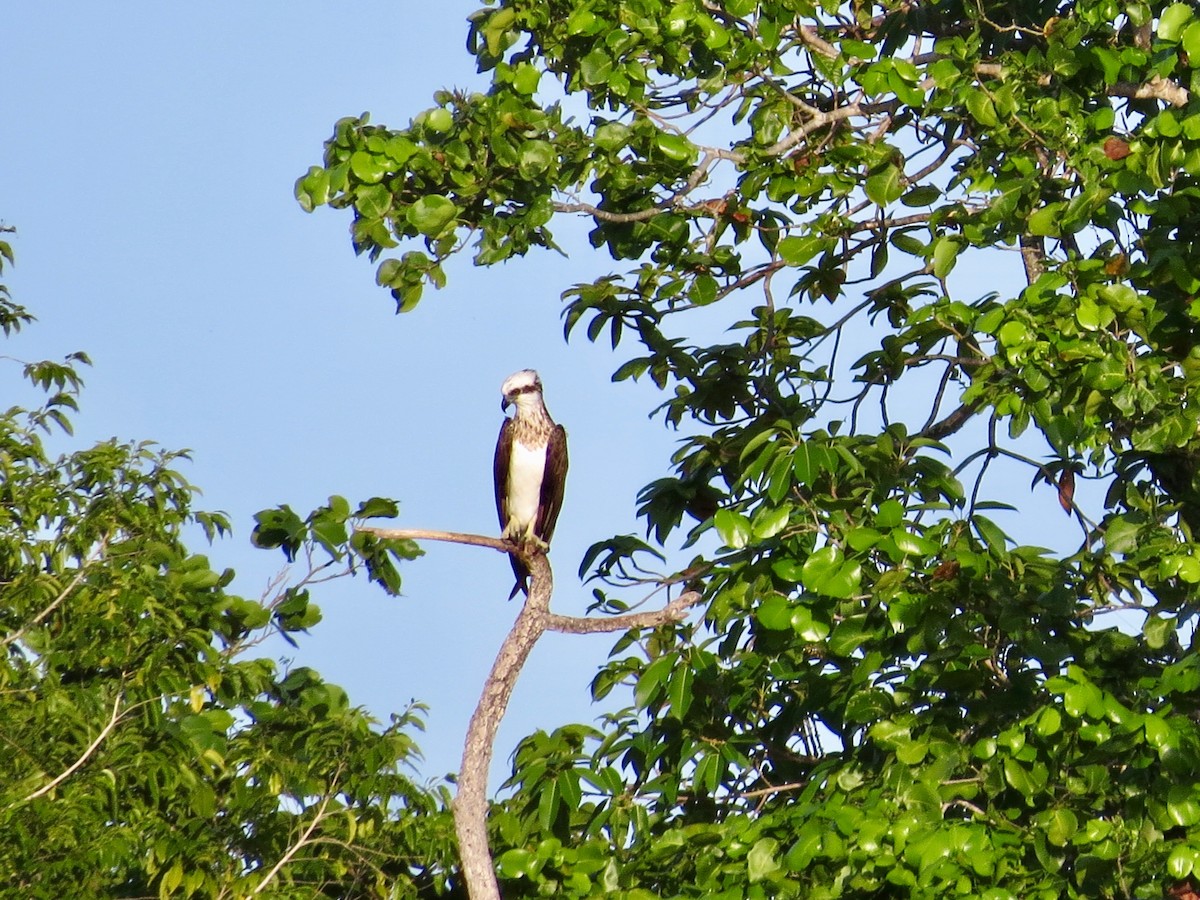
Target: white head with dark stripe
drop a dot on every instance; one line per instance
(524, 389)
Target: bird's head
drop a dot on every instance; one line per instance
(523, 388)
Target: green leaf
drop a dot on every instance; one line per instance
(439, 120)
(596, 67)
(775, 613)
(675, 146)
(649, 683)
(981, 108)
(1061, 827)
(1173, 19)
(734, 528)
(890, 513)
(368, 167)
(431, 215)
(922, 195)
(703, 290)
(1191, 45)
(811, 460)
(992, 534)
(514, 863)
(886, 187)
(526, 79)
(821, 564)
(1047, 221)
(769, 521)
(1183, 805)
(612, 136)
(796, 250)
(945, 255)
(762, 861)
(1182, 861)
(1018, 778)
(536, 157)
(549, 802)
(807, 626)
(1049, 722)
(679, 690)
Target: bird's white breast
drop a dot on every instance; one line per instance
(525, 486)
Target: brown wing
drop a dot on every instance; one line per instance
(500, 468)
(554, 479)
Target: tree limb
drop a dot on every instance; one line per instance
(471, 803)
(1033, 255)
(675, 611)
(949, 425)
(453, 537)
(1157, 88)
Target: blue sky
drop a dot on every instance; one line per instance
(148, 164)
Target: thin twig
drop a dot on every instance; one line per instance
(83, 757)
(71, 585)
(294, 849)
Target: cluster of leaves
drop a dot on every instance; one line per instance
(888, 694)
(146, 751)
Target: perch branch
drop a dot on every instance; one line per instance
(535, 618)
(471, 805)
(423, 534)
(304, 839)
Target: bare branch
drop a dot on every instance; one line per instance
(812, 40)
(949, 425)
(774, 789)
(675, 611)
(62, 595)
(794, 137)
(470, 804)
(535, 618)
(605, 215)
(1157, 88)
(300, 842)
(83, 757)
(1033, 254)
(453, 537)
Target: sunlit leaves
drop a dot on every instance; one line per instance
(137, 712)
(886, 187)
(430, 215)
(957, 261)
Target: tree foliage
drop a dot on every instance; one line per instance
(893, 690)
(148, 751)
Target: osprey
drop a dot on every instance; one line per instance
(530, 470)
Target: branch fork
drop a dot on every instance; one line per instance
(535, 618)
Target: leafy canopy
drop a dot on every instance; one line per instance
(892, 692)
(148, 751)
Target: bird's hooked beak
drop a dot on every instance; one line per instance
(505, 403)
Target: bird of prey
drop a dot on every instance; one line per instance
(530, 470)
